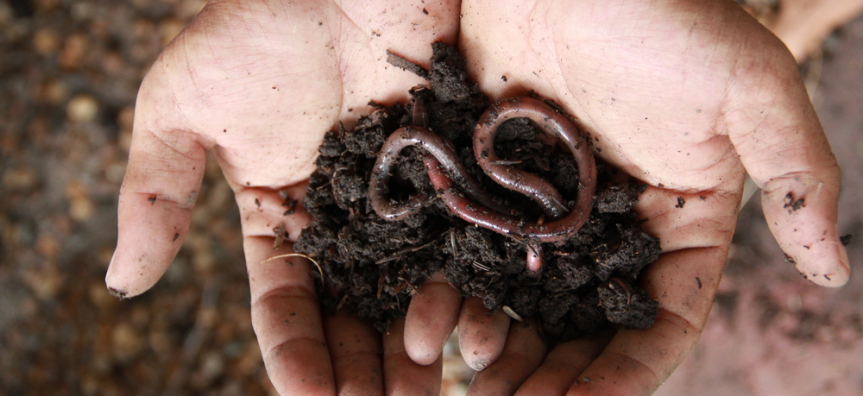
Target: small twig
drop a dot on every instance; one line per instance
(414, 288)
(380, 286)
(614, 281)
(481, 267)
(452, 241)
(342, 302)
(402, 63)
(320, 269)
(402, 252)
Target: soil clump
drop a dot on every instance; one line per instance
(373, 266)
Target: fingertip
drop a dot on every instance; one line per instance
(524, 351)
(481, 334)
(129, 278)
(801, 211)
(834, 273)
(421, 353)
(431, 318)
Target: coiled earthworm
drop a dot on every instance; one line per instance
(480, 209)
(441, 155)
(563, 224)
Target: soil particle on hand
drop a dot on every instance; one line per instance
(372, 265)
(793, 204)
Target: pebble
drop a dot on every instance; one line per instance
(45, 42)
(126, 342)
(48, 247)
(19, 179)
(81, 209)
(212, 365)
(45, 282)
(55, 92)
(100, 298)
(74, 50)
(161, 343)
(82, 108)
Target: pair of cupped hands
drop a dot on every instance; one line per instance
(686, 96)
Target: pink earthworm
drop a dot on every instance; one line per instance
(440, 156)
(563, 224)
(470, 202)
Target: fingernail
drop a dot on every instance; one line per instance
(118, 293)
(479, 365)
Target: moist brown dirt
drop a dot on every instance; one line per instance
(373, 266)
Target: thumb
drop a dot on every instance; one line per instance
(166, 165)
(783, 147)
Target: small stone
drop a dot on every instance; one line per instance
(55, 92)
(212, 365)
(19, 179)
(126, 342)
(82, 108)
(47, 246)
(81, 209)
(45, 282)
(100, 298)
(161, 343)
(113, 63)
(45, 42)
(74, 49)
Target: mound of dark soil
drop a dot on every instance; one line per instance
(373, 266)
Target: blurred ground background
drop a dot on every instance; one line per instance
(69, 72)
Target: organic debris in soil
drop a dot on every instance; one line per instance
(372, 265)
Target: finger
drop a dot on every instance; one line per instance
(356, 354)
(562, 366)
(783, 147)
(521, 355)
(431, 318)
(402, 376)
(166, 165)
(636, 361)
(287, 320)
(481, 334)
